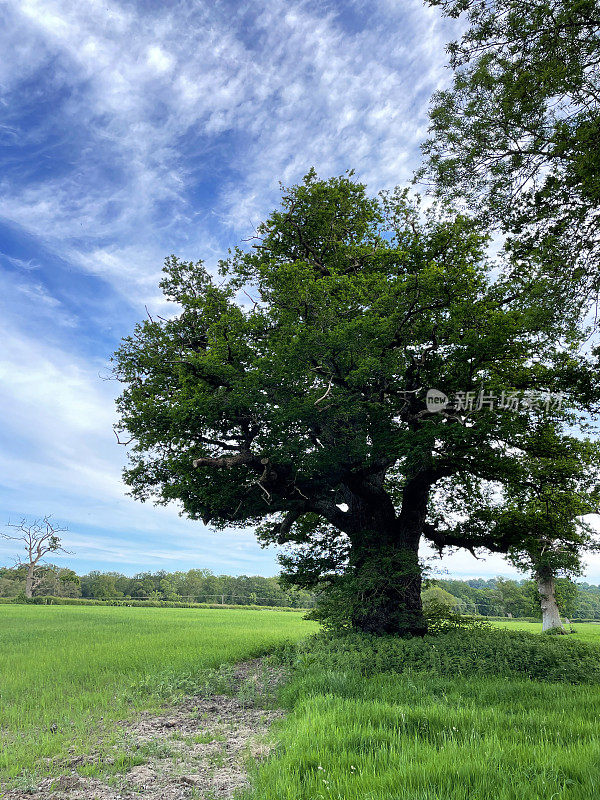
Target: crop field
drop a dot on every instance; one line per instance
(505, 714)
(66, 670)
(584, 631)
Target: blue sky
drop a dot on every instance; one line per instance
(129, 131)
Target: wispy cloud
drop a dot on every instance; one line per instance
(156, 108)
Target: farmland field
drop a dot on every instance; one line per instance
(466, 715)
(585, 631)
(65, 670)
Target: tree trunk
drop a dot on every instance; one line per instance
(380, 590)
(550, 614)
(386, 578)
(29, 580)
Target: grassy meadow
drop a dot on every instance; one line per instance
(503, 715)
(66, 671)
(584, 631)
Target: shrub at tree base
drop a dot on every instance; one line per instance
(465, 652)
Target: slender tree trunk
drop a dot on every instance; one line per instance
(29, 580)
(550, 613)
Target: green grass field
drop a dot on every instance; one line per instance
(502, 715)
(585, 631)
(65, 671)
(367, 722)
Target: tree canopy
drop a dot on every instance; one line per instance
(516, 135)
(290, 392)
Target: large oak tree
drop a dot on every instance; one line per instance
(289, 392)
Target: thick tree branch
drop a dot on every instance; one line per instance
(442, 539)
(226, 462)
(327, 508)
(219, 443)
(283, 529)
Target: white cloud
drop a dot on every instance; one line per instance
(159, 60)
(28, 264)
(295, 90)
(38, 295)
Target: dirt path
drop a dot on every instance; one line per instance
(198, 748)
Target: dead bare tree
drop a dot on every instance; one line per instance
(39, 538)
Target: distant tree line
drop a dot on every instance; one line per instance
(195, 585)
(498, 597)
(495, 597)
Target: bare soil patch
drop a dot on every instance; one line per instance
(198, 748)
